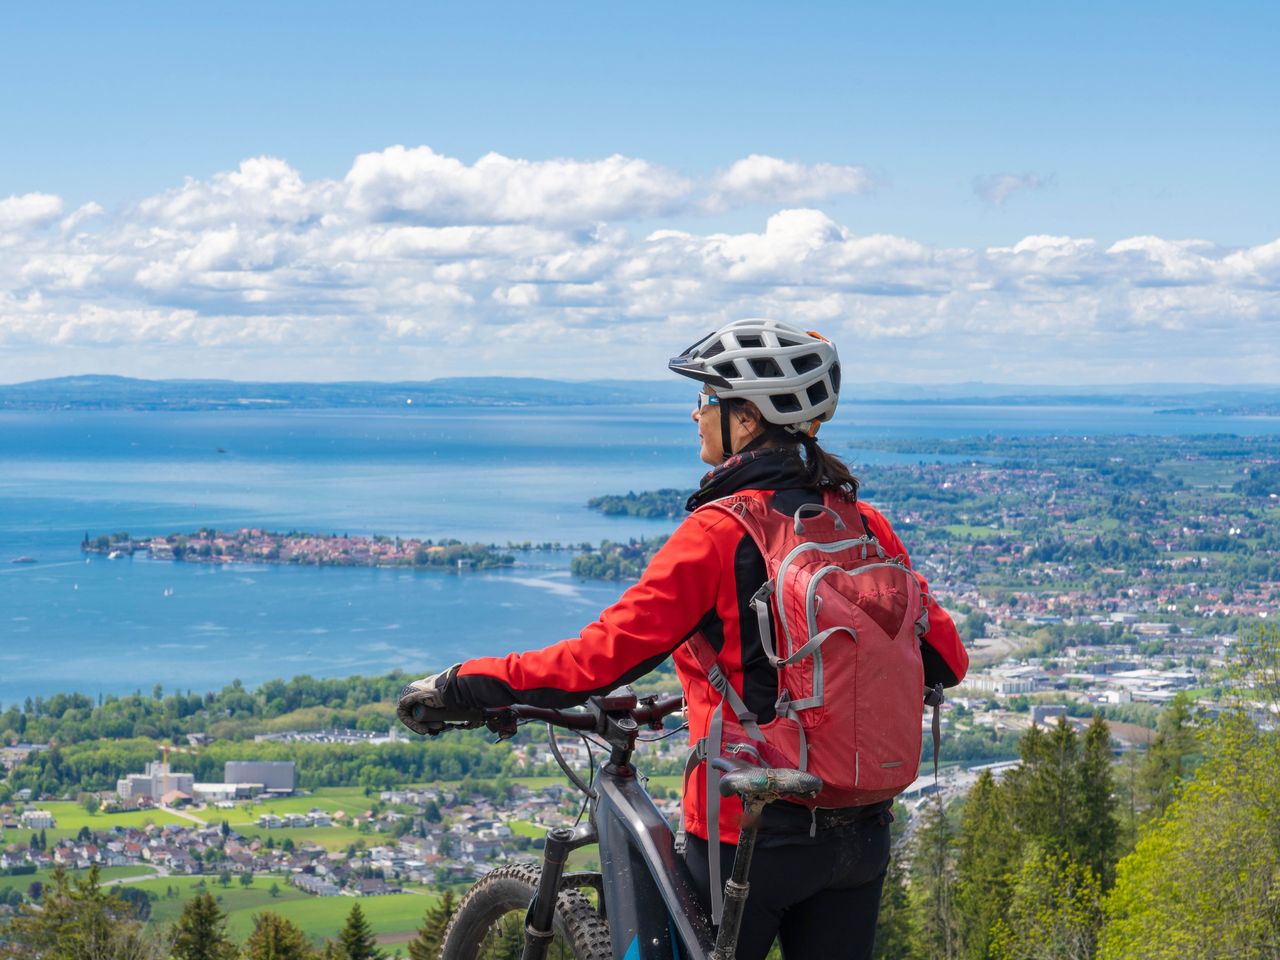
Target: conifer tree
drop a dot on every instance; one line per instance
(894, 933)
(356, 938)
(1170, 759)
(201, 933)
(426, 945)
(275, 938)
(79, 920)
(932, 885)
(1097, 829)
(988, 853)
(1046, 786)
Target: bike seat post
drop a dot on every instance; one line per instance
(737, 887)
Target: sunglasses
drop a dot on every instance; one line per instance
(707, 400)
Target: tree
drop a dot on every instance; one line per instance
(357, 939)
(988, 853)
(894, 934)
(1202, 881)
(80, 921)
(275, 938)
(90, 802)
(1055, 911)
(1097, 829)
(1171, 757)
(426, 945)
(246, 880)
(201, 933)
(933, 885)
(139, 902)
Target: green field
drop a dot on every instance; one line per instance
(350, 801)
(967, 531)
(23, 881)
(70, 817)
(320, 917)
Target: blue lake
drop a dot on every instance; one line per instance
(494, 475)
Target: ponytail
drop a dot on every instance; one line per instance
(826, 470)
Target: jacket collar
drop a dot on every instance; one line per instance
(770, 468)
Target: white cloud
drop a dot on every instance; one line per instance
(30, 211)
(995, 188)
(520, 266)
(423, 186)
(763, 179)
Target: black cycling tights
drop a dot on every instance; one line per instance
(821, 901)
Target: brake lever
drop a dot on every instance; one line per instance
(504, 724)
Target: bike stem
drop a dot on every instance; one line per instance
(737, 888)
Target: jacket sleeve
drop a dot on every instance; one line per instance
(945, 659)
(650, 620)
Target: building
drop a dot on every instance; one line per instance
(154, 783)
(1042, 713)
(37, 820)
(276, 776)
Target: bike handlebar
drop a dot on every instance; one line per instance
(649, 711)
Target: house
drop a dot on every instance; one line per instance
(37, 820)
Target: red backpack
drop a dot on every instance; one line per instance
(842, 623)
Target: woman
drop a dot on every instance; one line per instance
(768, 386)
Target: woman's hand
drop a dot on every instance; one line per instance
(429, 693)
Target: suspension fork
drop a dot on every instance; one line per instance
(539, 921)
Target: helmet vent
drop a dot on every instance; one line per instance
(806, 362)
(784, 342)
(817, 392)
(835, 377)
(766, 367)
(714, 350)
(751, 343)
(786, 403)
(728, 370)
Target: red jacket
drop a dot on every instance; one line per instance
(701, 579)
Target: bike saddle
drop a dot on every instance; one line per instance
(764, 783)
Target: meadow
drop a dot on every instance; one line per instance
(393, 916)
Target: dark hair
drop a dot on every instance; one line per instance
(826, 470)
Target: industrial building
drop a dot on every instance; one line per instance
(276, 776)
(155, 783)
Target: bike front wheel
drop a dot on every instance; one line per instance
(489, 923)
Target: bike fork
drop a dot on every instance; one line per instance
(539, 921)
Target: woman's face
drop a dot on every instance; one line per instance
(742, 429)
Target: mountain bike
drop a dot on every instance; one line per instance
(647, 908)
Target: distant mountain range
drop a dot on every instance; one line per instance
(111, 392)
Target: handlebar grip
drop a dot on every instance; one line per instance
(424, 714)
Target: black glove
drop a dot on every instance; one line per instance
(429, 693)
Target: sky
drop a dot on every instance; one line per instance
(1006, 192)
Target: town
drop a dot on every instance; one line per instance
(253, 545)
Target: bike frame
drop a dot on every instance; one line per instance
(647, 894)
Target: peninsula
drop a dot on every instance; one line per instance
(253, 545)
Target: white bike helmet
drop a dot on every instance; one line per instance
(791, 375)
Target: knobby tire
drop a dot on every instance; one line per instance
(508, 890)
